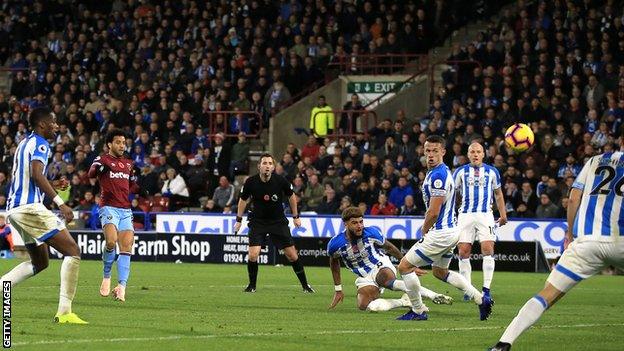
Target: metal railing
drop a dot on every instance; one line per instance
(364, 116)
(215, 127)
(376, 64)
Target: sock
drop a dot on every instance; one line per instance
(123, 267)
(413, 291)
(252, 271)
(380, 305)
(426, 293)
(108, 257)
(527, 316)
(398, 285)
(69, 280)
(300, 272)
(488, 271)
(19, 273)
(465, 269)
(458, 281)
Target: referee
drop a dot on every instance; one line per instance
(266, 218)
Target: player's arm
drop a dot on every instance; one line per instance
(242, 205)
(500, 204)
(392, 250)
(42, 182)
(334, 266)
(573, 205)
(431, 216)
(97, 167)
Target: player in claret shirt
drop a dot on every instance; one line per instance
(115, 174)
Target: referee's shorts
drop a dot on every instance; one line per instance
(279, 233)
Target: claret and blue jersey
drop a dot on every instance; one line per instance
(360, 255)
(439, 182)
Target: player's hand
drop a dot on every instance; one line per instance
(567, 240)
(61, 184)
(297, 222)
(502, 221)
(338, 297)
(237, 226)
(67, 213)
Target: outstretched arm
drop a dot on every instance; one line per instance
(334, 265)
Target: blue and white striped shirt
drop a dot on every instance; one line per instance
(600, 216)
(360, 255)
(439, 182)
(476, 186)
(23, 190)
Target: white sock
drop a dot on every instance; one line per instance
(488, 270)
(527, 316)
(399, 285)
(19, 273)
(426, 293)
(380, 305)
(69, 280)
(413, 291)
(465, 269)
(458, 281)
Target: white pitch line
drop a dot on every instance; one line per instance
(327, 332)
(242, 286)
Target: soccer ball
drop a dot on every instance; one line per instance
(519, 137)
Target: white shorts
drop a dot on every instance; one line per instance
(584, 259)
(435, 249)
(35, 223)
(370, 278)
(473, 226)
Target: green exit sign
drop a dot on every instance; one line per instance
(375, 87)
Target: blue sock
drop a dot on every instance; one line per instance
(123, 267)
(108, 257)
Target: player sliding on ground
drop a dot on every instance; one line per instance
(115, 175)
(359, 248)
(440, 236)
(596, 221)
(476, 184)
(37, 225)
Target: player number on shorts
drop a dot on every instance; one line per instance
(609, 174)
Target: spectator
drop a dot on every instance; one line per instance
(383, 207)
(329, 204)
(175, 189)
(311, 149)
(409, 208)
(225, 194)
(321, 120)
(349, 119)
(313, 193)
(332, 178)
(546, 208)
(399, 192)
(220, 156)
(240, 156)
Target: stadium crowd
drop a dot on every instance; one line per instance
(163, 70)
(557, 66)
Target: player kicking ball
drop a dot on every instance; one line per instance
(359, 248)
(476, 184)
(37, 225)
(593, 240)
(115, 174)
(440, 236)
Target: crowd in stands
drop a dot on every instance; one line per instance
(163, 71)
(557, 66)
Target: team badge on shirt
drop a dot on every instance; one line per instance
(274, 197)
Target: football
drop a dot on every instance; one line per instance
(519, 137)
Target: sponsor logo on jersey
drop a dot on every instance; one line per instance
(119, 175)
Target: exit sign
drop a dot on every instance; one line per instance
(375, 87)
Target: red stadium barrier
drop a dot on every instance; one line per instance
(376, 64)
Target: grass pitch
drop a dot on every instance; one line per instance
(202, 307)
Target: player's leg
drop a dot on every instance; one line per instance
(411, 260)
(38, 262)
(466, 224)
(385, 277)
(487, 249)
(439, 268)
(65, 244)
(365, 295)
(283, 240)
(425, 293)
(110, 224)
(580, 261)
(125, 240)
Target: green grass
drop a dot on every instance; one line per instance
(202, 307)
